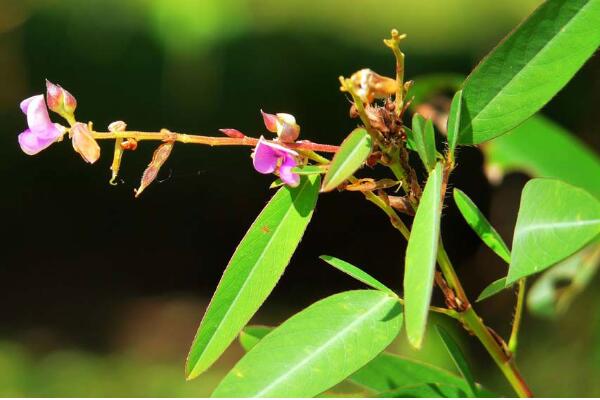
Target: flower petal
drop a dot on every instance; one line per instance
(32, 144)
(25, 103)
(84, 143)
(270, 121)
(265, 158)
(285, 171)
(38, 118)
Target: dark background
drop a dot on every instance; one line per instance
(98, 287)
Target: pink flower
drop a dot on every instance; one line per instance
(269, 157)
(42, 132)
(283, 124)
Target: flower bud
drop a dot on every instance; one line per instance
(232, 133)
(84, 143)
(60, 101)
(117, 126)
(283, 124)
(370, 85)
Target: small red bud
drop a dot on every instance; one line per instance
(60, 101)
(232, 133)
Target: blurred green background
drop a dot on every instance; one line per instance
(101, 294)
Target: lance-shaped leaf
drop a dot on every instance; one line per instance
(492, 289)
(528, 68)
(549, 296)
(454, 122)
(356, 273)
(421, 257)
(316, 348)
(389, 372)
(479, 223)
(309, 169)
(353, 152)
(424, 140)
(459, 359)
(555, 220)
(425, 390)
(253, 271)
(252, 334)
(543, 149)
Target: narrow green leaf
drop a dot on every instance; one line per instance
(353, 152)
(555, 220)
(543, 149)
(492, 289)
(528, 68)
(389, 372)
(253, 271)
(356, 273)
(252, 334)
(424, 139)
(309, 169)
(426, 390)
(316, 348)
(454, 122)
(551, 295)
(410, 139)
(459, 359)
(479, 223)
(421, 257)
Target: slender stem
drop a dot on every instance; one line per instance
(514, 333)
(208, 140)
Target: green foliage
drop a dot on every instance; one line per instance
(316, 348)
(528, 68)
(454, 122)
(492, 289)
(353, 152)
(252, 334)
(253, 271)
(421, 256)
(309, 170)
(424, 140)
(389, 373)
(459, 359)
(541, 148)
(356, 273)
(555, 220)
(481, 225)
(551, 295)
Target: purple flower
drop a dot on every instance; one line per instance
(270, 157)
(42, 132)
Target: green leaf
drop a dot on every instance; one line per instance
(541, 148)
(424, 140)
(316, 348)
(389, 372)
(427, 390)
(253, 271)
(454, 122)
(555, 220)
(492, 289)
(252, 334)
(353, 152)
(421, 256)
(551, 295)
(309, 169)
(356, 273)
(459, 359)
(528, 68)
(479, 223)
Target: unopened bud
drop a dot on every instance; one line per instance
(117, 126)
(159, 157)
(60, 100)
(283, 124)
(232, 133)
(84, 143)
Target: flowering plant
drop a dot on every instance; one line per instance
(343, 337)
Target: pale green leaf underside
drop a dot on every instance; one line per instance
(353, 152)
(555, 220)
(356, 273)
(424, 140)
(479, 223)
(454, 122)
(541, 148)
(253, 271)
(528, 68)
(252, 334)
(316, 348)
(421, 257)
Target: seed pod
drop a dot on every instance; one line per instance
(161, 154)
